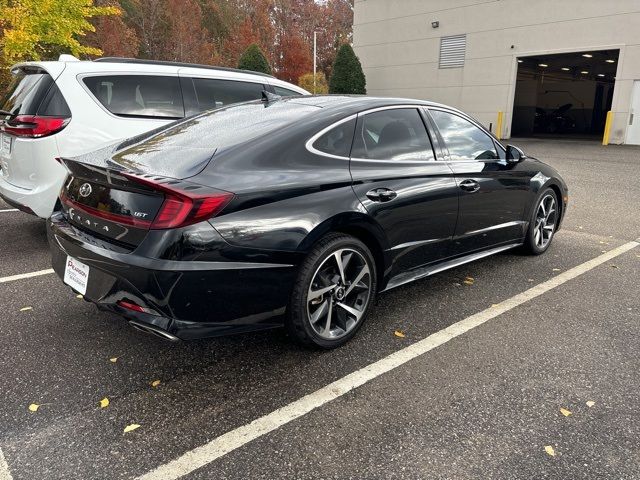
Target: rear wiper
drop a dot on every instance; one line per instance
(9, 114)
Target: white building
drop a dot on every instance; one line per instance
(553, 67)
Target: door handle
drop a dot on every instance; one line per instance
(469, 185)
(381, 194)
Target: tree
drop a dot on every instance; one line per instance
(188, 39)
(347, 77)
(113, 35)
(253, 59)
(306, 82)
(36, 29)
(294, 58)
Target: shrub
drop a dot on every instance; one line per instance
(306, 82)
(253, 59)
(347, 77)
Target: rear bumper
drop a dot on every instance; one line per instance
(39, 201)
(192, 299)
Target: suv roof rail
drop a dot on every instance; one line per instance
(176, 64)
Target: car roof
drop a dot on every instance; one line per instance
(360, 102)
(121, 65)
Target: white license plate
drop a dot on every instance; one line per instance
(76, 275)
(5, 144)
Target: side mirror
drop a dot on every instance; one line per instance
(514, 154)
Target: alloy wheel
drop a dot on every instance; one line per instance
(339, 293)
(545, 221)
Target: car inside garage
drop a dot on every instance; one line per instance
(564, 95)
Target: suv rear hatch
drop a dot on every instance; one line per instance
(33, 108)
(121, 207)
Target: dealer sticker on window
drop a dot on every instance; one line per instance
(76, 275)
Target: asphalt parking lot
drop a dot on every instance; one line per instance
(481, 404)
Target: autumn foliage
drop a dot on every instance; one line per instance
(198, 31)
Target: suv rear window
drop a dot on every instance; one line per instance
(34, 93)
(138, 95)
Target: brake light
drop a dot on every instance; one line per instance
(181, 208)
(34, 126)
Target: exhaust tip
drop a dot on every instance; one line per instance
(153, 331)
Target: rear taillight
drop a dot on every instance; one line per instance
(34, 126)
(181, 208)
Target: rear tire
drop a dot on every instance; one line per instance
(330, 302)
(543, 223)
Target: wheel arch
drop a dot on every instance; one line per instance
(363, 228)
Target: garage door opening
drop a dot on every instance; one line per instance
(564, 95)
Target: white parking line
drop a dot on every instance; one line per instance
(25, 275)
(9, 210)
(230, 441)
(5, 474)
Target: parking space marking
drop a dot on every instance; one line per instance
(234, 439)
(9, 210)
(5, 474)
(26, 275)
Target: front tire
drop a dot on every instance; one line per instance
(333, 293)
(543, 223)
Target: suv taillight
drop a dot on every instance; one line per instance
(181, 208)
(34, 126)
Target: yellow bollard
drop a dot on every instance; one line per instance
(607, 128)
(499, 125)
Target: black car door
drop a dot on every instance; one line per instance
(401, 185)
(493, 193)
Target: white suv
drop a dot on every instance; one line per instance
(71, 107)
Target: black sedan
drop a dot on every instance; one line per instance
(292, 211)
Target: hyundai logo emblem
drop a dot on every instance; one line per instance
(85, 190)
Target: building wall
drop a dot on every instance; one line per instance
(399, 49)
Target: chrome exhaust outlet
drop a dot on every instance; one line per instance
(153, 331)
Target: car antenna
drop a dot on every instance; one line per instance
(268, 97)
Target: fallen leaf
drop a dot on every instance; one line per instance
(34, 407)
(469, 278)
(104, 403)
(550, 451)
(565, 412)
(155, 383)
(399, 333)
(494, 305)
(113, 360)
(24, 309)
(590, 403)
(556, 269)
(130, 428)
(79, 296)
(468, 282)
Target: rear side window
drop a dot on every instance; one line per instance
(396, 134)
(285, 92)
(35, 94)
(138, 95)
(337, 141)
(214, 93)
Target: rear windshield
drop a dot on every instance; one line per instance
(34, 94)
(138, 95)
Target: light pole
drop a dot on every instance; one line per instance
(315, 52)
